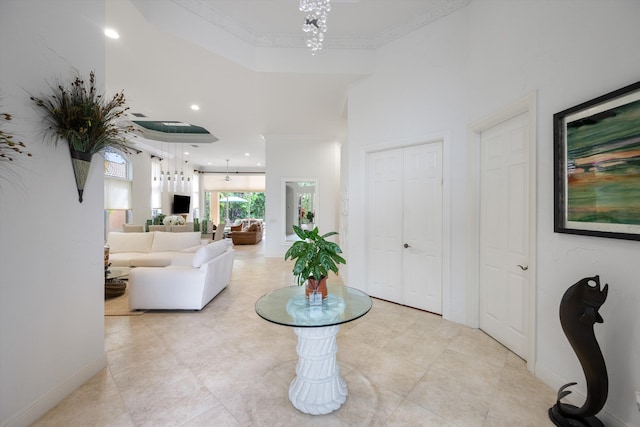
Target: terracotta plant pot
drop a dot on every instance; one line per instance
(312, 284)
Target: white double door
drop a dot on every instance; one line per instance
(405, 225)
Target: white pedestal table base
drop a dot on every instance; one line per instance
(318, 387)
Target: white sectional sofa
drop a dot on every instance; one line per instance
(173, 274)
(152, 249)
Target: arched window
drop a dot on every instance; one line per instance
(117, 190)
(116, 166)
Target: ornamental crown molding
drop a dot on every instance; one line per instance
(288, 40)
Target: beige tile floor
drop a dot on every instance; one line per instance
(225, 366)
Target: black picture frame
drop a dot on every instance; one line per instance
(597, 166)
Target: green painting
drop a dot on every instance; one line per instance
(603, 166)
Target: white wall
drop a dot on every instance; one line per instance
(141, 187)
(470, 64)
(51, 246)
(295, 159)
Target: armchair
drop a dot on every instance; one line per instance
(247, 235)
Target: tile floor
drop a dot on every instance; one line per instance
(225, 366)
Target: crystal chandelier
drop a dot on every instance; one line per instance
(316, 22)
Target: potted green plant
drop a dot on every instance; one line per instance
(314, 257)
(310, 216)
(159, 219)
(86, 120)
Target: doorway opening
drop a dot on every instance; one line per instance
(233, 206)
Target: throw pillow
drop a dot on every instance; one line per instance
(217, 248)
(208, 252)
(200, 257)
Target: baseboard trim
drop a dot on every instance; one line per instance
(41, 406)
(577, 397)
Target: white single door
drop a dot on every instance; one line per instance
(504, 232)
(404, 255)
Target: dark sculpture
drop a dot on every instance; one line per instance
(578, 313)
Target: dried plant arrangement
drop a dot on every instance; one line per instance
(82, 116)
(10, 148)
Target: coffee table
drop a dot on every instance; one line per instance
(118, 272)
(318, 387)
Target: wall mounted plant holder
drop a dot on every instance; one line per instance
(87, 121)
(81, 163)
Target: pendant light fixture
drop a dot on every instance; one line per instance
(315, 23)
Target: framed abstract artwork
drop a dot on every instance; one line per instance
(597, 166)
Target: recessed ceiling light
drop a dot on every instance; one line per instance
(247, 154)
(195, 107)
(209, 163)
(111, 33)
(186, 153)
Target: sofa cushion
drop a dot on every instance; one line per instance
(167, 242)
(184, 259)
(152, 260)
(129, 242)
(122, 259)
(208, 252)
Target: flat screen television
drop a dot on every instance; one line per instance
(181, 204)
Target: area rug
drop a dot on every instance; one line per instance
(119, 306)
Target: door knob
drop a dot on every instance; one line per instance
(523, 268)
(406, 245)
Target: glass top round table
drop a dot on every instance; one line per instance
(318, 387)
(289, 306)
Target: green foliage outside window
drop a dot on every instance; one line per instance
(253, 208)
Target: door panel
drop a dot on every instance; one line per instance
(422, 261)
(504, 232)
(385, 243)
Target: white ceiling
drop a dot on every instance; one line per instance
(164, 65)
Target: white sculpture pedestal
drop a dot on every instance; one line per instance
(318, 387)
